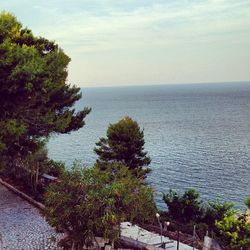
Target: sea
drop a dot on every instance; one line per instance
(197, 135)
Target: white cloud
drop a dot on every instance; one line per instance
(156, 25)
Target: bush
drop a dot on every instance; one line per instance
(216, 211)
(230, 229)
(185, 208)
(90, 202)
(234, 231)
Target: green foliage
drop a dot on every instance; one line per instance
(90, 202)
(35, 99)
(216, 211)
(55, 168)
(230, 229)
(234, 231)
(247, 202)
(185, 208)
(124, 144)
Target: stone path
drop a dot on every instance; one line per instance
(22, 227)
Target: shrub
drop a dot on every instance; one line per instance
(216, 211)
(185, 208)
(234, 231)
(90, 202)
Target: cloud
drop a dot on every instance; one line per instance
(112, 26)
(88, 26)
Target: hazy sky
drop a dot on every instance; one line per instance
(124, 42)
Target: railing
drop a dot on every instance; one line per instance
(192, 240)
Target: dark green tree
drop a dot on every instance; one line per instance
(124, 144)
(247, 202)
(35, 98)
(185, 208)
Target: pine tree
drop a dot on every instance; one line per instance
(35, 99)
(124, 144)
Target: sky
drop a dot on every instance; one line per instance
(141, 42)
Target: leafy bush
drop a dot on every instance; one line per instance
(216, 211)
(234, 231)
(90, 202)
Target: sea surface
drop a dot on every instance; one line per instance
(198, 135)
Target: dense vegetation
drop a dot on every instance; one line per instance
(184, 208)
(221, 220)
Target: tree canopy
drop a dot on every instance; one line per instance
(124, 144)
(35, 98)
(183, 208)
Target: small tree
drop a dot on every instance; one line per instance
(124, 144)
(184, 208)
(90, 202)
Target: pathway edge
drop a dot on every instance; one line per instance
(22, 195)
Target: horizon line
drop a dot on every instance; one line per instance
(164, 84)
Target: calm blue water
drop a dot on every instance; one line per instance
(198, 135)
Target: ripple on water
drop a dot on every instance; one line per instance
(197, 135)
